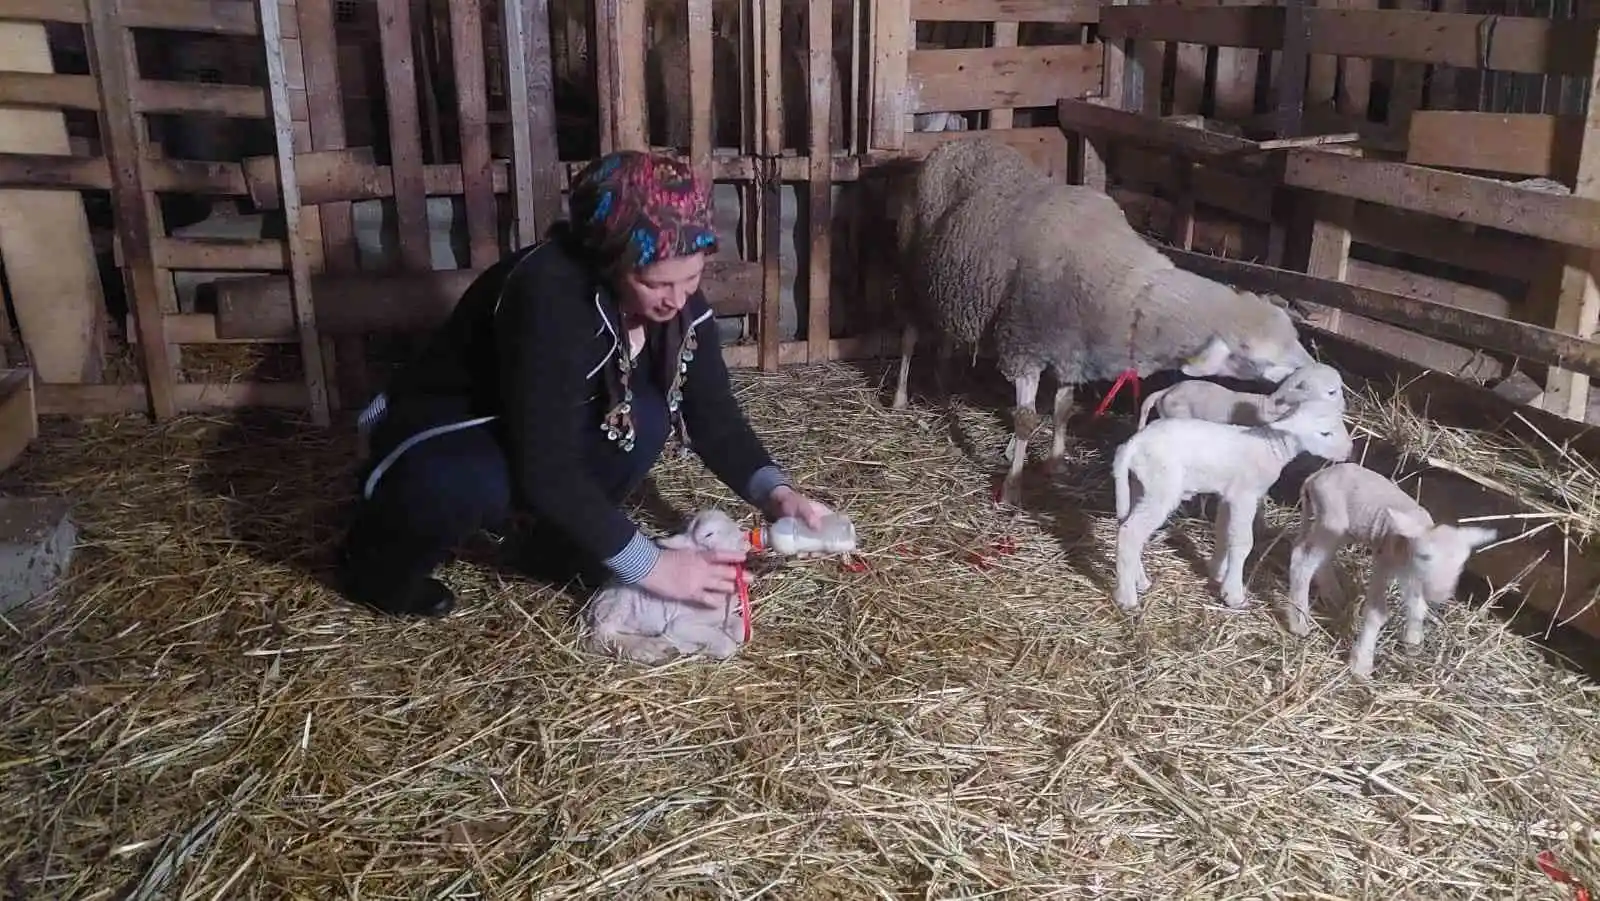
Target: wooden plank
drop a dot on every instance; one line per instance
(74, 12)
(1223, 190)
(1440, 290)
(1005, 35)
(1329, 255)
(48, 90)
(1140, 130)
(208, 16)
(1467, 198)
(1004, 77)
(472, 100)
(771, 144)
(111, 51)
(893, 37)
(201, 328)
(1062, 11)
(790, 353)
(1452, 243)
(700, 81)
(1436, 320)
(19, 415)
(300, 297)
(258, 308)
(224, 254)
(405, 135)
(1521, 43)
(1577, 302)
(627, 46)
(819, 203)
(519, 72)
(1532, 144)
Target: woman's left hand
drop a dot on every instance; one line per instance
(785, 501)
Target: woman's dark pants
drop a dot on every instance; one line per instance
(442, 490)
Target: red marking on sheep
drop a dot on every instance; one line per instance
(1128, 377)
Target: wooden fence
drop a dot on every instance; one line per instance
(477, 114)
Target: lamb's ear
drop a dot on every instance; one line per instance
(1476, 537)
(1404, 525)
(1209, 360)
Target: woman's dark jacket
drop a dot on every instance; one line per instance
(531, 343)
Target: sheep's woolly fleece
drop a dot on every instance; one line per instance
(196, 716)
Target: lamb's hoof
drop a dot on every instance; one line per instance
(1298, 626)
(1009, 493)
(1411, 648)
(1143, 582)
(1056, 463)
(1126, 601)
(1234, 597)
(899, 402)
(1361, 670)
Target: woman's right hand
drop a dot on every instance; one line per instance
(703, 578)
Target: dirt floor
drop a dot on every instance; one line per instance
(195, 715)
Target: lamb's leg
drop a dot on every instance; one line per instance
(1147, 515)
(1416, 614)
(908, 343)
(1312, 553)
(1058, 443)
(1374, 613)
(1240, 536)
(1024, 420)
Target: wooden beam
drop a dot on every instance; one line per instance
(111, 50)
(1436, 320)
(81, 401)
(893, 38)
(258, 307)
(300, 297)
(1520, 44)
(1062, 11)
(531, 99)
(819, 201)
(1577, 303)
(1139, 130)
(1532, 144)
(1000, 77)
(1467, 198)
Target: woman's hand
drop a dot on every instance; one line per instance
(703, 578)
(785, 501)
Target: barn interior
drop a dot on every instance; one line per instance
(224, 222)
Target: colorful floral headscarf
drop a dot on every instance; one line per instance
(631, 209)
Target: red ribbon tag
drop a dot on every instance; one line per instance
(1129, 377)
(1547, 862)
(744, 598)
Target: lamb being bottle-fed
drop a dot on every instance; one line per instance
(790, 536)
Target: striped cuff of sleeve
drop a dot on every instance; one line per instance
(635, 560)
(766, 480)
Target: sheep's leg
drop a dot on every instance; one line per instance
(1147, 515)
(1218, 564)
(1312, 554)
(1024, 420)
(1416, 614)
(908, 343)
(1058, 442)
(1240, 536)
(1374, 613)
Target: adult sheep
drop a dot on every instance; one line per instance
(1058, 279)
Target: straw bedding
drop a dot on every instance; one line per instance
(196, 716)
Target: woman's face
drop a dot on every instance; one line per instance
(657, 292)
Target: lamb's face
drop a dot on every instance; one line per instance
(1439, 553)
(715, 530)
(1321, 430)
(1318, 382)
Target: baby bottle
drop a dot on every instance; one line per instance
(791, 536)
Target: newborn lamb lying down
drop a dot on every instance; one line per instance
(633, 624)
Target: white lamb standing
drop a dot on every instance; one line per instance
(992, 249)
(1177, 459)
(634, 624)
(1200, 399)
(1348, 503)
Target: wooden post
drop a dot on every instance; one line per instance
(110, 48)
(1005, 35)
(771, 69)
(1289, 118)
(1577, 299)
(472, 101)
(700, 78)
(319, 62)
(530, 99)
(819, 204)
(296, 237)
(893, 34)
(405, 134)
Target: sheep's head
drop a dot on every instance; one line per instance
(1263, 346)
(711, 530)
(1319, 425)
(1316, 382)
(1435, 554)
